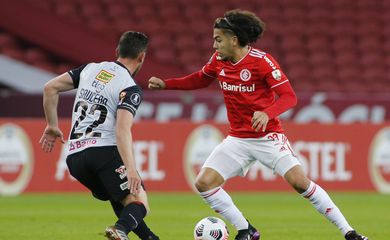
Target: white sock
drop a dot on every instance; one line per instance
(223, 204)
(324, 205)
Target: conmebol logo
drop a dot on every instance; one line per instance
(16, 163)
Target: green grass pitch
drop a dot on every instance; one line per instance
(174, 215)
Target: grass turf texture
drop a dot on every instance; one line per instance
(174, 215)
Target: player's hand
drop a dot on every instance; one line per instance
(259, 121)
(156, 83)
(49, 138)
(134, 182)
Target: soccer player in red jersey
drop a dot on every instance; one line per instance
(250, 79)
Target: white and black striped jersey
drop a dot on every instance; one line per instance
(102, 88)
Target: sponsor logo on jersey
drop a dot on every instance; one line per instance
(104, 76)
(222, 73)
(271, 64)
(245, 75)
(16, 159)
(98, 86)
(199, 145)
(237, 88)
(380, 160)
(135, 98)
(277, 74)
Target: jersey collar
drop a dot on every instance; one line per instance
(234, 64)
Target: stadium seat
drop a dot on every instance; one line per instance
(317, 42)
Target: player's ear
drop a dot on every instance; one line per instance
(141, 57)
(117, 51)
(235, 40)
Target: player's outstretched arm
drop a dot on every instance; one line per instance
(156, 83)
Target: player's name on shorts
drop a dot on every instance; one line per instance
(237, 88)
(92, 97)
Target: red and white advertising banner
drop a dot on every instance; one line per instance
(339, 157)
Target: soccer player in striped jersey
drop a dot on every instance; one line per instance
(250, 79)
(100, 152)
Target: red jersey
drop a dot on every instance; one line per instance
(248, 86)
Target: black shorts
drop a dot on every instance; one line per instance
(101, 170)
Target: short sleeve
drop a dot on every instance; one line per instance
(130, 99)
(75, 75)
(210, 68)
(272, 71)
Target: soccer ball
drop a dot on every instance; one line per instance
(211, 228)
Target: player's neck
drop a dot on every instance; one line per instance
(240, 53)
(129, 64)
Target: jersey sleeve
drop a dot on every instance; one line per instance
(210, 68)
(75, 75)
(272, 72)
(130, 99)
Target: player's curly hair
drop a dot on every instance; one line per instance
(244, 24)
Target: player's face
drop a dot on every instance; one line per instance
(223, 44)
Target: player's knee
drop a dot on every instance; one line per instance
(202, 185)
(297, 179)
(147, 209)
(299, 183)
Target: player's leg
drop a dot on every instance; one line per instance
(220, 166)
(319, 198)
(111, 173)
(142, 230)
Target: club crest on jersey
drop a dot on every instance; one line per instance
(104, 76)
(122, 96)
(135, 98)
(277, 74)
(245, 75)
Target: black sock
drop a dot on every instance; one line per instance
(117, 207)
(143, 232)
(131, 216)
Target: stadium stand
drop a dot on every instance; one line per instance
(323, 45)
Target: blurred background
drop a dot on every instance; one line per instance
(336, 54)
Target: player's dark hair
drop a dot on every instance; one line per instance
(244, 24)
(131, 44)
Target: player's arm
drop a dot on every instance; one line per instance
(129, 101)
(193, 81)
(280, 84)
(125, 147)
(51, 92)
(287, 99)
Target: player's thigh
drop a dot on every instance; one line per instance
(275, 152)
(229, 158)
(79, 169)
(111, 172)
